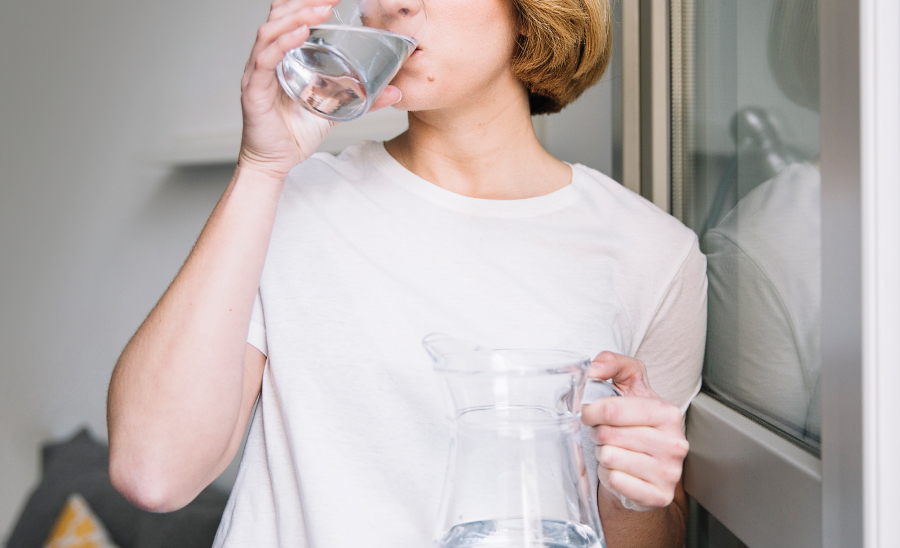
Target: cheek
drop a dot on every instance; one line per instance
(463, 51)
(475, 52)
(473, 31)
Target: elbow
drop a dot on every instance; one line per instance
(143, 486)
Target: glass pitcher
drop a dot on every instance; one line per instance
(516, 476)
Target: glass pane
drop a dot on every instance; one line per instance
(746, 179)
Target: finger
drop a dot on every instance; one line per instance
(388, 97)
(288, 6)
(644, 495)
(631, 411)
(662, 473)
(642, 439)
(277, 3)
(262, 75)
(603, 476)
(292, 6)
(275, 28)
(629, 374)
(635, 438)
(290, 20)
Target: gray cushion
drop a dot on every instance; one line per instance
(81, 465)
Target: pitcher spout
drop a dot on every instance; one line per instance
(440, 346)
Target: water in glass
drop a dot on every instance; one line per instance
(340, 71)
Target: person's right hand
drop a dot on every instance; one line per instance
(279, 133)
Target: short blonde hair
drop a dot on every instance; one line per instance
(564, 47)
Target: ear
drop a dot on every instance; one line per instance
(522, 29)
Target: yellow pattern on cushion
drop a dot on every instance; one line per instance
(78, 527)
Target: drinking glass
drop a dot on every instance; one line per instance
(347, 61)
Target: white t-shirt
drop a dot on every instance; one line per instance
(350, 440)
(765, 301)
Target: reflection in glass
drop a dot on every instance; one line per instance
(754, 198)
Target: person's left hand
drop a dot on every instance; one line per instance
(640, 441)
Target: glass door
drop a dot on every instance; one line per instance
(745, 149)
(782, 139)
(745, 119)
(748, 181)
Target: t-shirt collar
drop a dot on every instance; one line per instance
(447, 199)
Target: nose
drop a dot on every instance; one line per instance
(401, 9)
(400, 16)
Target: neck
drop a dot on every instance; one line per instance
(486, 148)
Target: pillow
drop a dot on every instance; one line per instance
(78, 465)
(78, 527)
(81, 465)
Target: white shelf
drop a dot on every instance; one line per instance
(203, 148)
(221, 147)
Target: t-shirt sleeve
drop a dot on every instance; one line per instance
(256, 336)
(672, 349)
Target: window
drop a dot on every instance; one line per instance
(751, 189)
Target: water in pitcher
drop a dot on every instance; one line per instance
(520, 534)
(516, 477)
(340, 70)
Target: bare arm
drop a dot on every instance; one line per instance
(661, 527)
(183, 383)
(153, 496)
(183, 389)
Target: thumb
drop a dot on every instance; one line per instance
(627, 373)
(390, 96)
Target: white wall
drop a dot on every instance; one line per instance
(91, 228)
(583, 131)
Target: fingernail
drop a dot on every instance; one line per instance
(321, 9)
(398, 99)
(301, 30)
